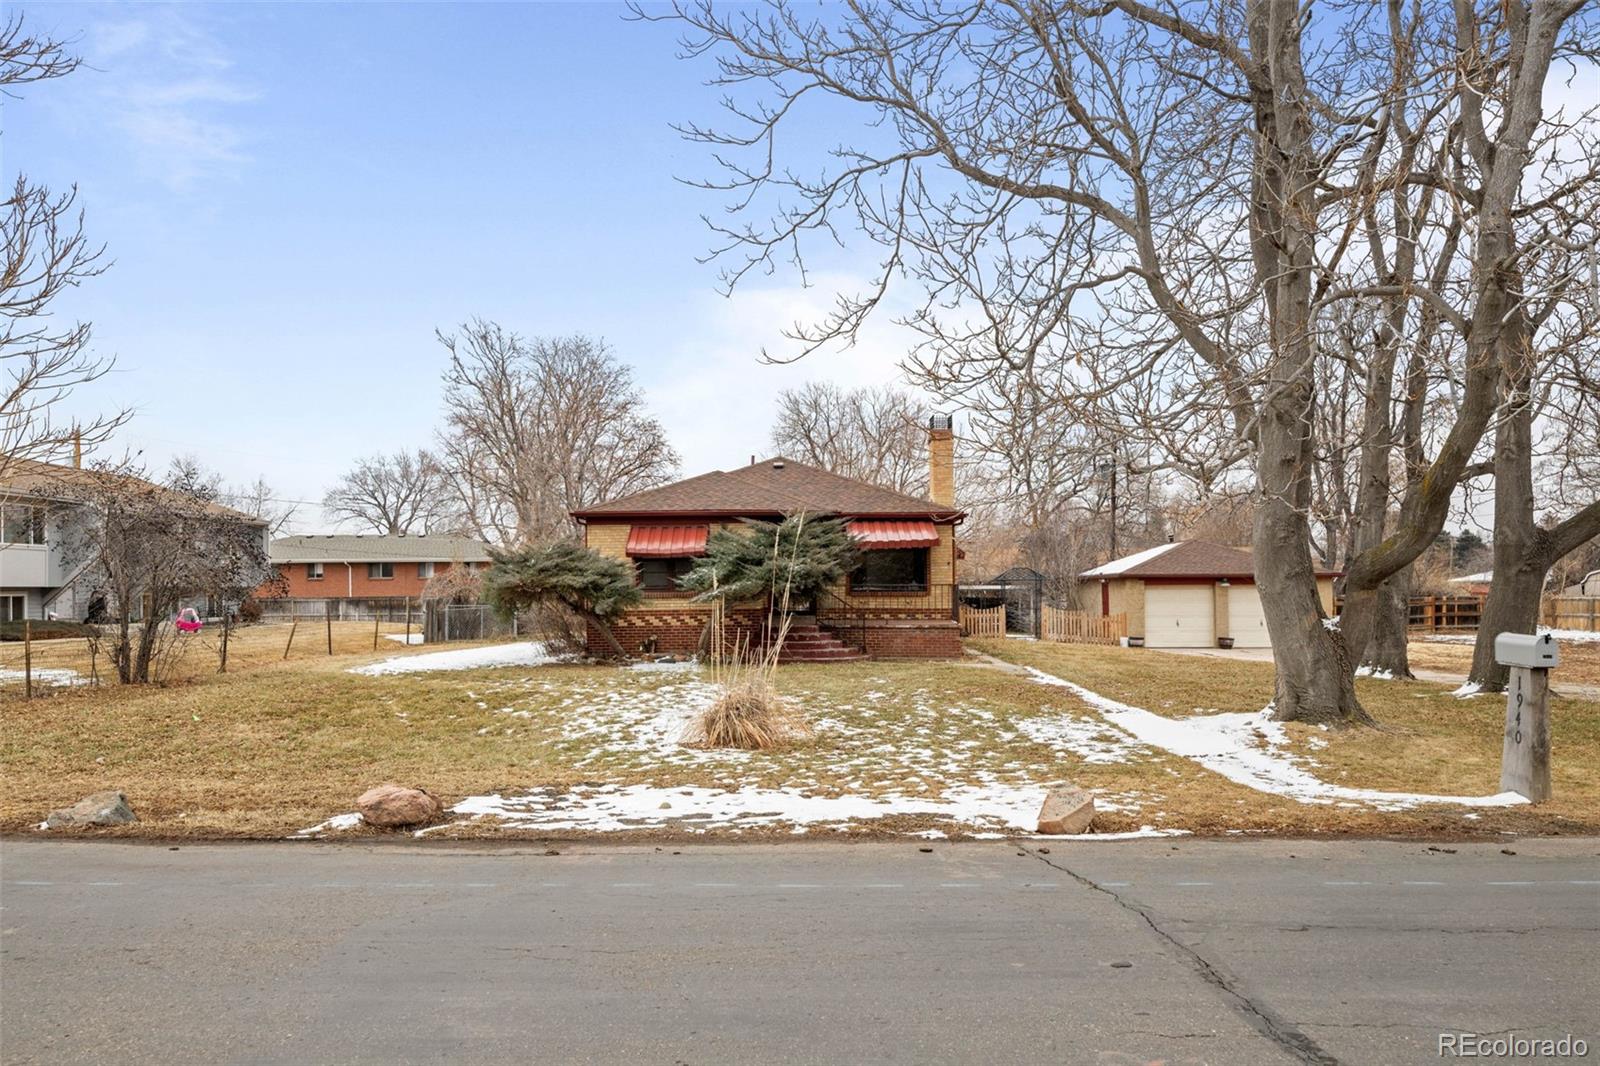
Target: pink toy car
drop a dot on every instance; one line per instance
(188, 621)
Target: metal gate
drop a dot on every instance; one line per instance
(464, 621)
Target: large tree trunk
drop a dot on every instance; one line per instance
(1314, 673)
(1388, 650)
(1523, 553)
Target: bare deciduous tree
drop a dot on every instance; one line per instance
(143, 548)
(188, 475)
(404, 493)
(538, 427)
(45, 253)
(1166, 206)
(874, 434)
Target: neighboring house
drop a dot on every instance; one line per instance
(1190, 594)
(37, 579)
(1473, 584)
(1589, 586)
(340, 567)
(898, 603)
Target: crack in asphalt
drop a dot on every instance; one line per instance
(1266, 1021)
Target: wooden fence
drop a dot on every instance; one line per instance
(1435, 613)
(1081, 627)
(983, 621)
(1571, 612)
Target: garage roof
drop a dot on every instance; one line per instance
(1185, 558)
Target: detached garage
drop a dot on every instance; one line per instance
(1190, 594)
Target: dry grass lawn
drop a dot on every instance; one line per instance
(1580, 661)
(275, 747)
(1428, 740)
(198, 656)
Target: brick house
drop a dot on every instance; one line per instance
(339, 567)
(897, 604)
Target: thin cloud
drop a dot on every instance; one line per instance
(169, 92)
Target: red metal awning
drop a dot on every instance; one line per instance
(655, 542)
(879, 535)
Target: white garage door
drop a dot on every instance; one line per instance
(1246, 624)
(1178, 616)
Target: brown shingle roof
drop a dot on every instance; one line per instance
(52, 481)
(772, 486)
(1186, 558)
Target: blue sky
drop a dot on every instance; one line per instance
(296, 195)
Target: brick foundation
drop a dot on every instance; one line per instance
(677, 629)
(913, 639)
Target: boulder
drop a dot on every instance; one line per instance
(395, 806)
(1066, 810)
(102, 808)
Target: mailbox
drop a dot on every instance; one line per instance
(1520, 649)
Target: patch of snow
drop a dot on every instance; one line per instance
(404, 638)
(610, 808)
(1128, 562)
(1092, 741)
(1248, 749)
(55, 677)
(1574, 636)
(337, 824)
(1376, 673)
(1331, 624)
(688, 666)
(1577, 636)
(1467, 691)
(529, 653)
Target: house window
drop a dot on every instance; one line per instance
(313, 571)
(13, 608)
(661, 574)
(424, 570)
(892, 570)
(380, 571)
(21, 524)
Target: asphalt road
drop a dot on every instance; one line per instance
(1181, 951)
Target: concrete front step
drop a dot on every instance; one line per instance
(817, 648)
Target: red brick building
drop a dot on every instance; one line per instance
(900, 602)
(366, 567)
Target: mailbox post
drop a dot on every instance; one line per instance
(1525, 755)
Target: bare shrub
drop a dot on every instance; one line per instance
(558, 628)
(749, 713)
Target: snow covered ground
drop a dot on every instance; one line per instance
(1250, 749)
(992, 812)
(53, 677)
(881, 750)
(529, 653)
(1574, 636)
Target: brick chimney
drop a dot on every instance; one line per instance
(941, 461)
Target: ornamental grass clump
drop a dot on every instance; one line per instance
(748, 712)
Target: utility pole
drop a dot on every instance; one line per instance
(1113, 509)
(1109, 466)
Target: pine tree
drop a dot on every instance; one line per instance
(792, 561)
(596, 587)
